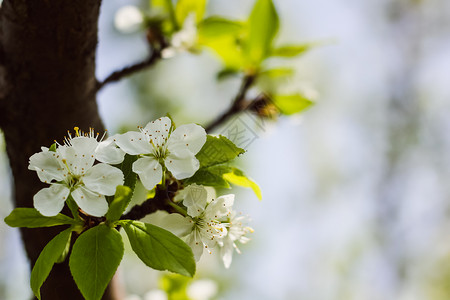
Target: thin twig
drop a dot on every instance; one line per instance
(236, 106)
(118, 75)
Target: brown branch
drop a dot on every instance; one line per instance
(118, 75)
(237, 105)
(159, 202)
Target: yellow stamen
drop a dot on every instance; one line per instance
(76, 130)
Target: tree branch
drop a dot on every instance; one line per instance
(237, 105)
(159, 202)
(118, 75)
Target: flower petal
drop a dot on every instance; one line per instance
(83, 149)
(149, 171)
(103, 179)
(108, 152)
(226, 251)
(158, 131)
(189, 136)
(47, 166)
(133, 143)
(50, 201)
(195, 197)
(220, 207)
(90, 202)
(177, 224)
(194, 241)
(182, 166)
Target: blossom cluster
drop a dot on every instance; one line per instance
(87, 169)
(209, 223)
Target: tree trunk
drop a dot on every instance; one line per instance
(47, 49)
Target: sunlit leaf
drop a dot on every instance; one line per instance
(184, 8)
(292, 104)
(262, 27)
(238, 177)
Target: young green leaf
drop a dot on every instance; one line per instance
(217, 150)
(211, 176)
(215, 27)
(262, 27)
(160, 249)
(186, 7)
(238, 177)
(291, 104)
(291, 50)
(31, 218)
(48, 257)
(119, 204)
(277, 73)
(52, 147)
(95, 257)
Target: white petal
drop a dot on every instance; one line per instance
(50, 201)
(133, 143)
(84, 149)
(177, 224)
(182, 166)
(47, 166)
(226, 251)
(220, 207)
(77, 162)
(108, 152)
(149, 171)
(195, 197)
(158, 131)
(196, 244)
(103, 179)
(189, 136)
(90, 202)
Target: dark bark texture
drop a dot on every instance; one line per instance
(47, 86)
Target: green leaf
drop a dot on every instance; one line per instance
(215, 27)
(291, 50)
(160, 249)
(225, 73)
(48, 257)
(262, 27)
(277, 73)
(211, 176)
(238, 177)
(95, 257)
(217, 150)
(184, 8)
(126, 167)
(291, 104)
(52, 147)
(31, 218)
(73, 207)
(119, 204)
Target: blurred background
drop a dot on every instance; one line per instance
(356, 200)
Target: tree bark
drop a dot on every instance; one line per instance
(47, 48)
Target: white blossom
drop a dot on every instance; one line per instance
(236, 232)
(183, 40)
(202, 229)
(161, 148)
(128, 19)
(70, 171)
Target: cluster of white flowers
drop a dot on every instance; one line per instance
(82, 168)
(70, 171)
(209, 223)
